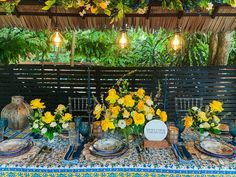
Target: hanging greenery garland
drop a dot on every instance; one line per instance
(116, 9)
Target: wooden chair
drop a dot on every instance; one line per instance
(80, 107)
(183, 104)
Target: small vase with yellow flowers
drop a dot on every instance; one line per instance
(204, 121)
(48, 124)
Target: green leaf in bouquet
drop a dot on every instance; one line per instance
(216, 131)
(201, 130)
(49, 135)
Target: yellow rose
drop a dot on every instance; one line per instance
(98, 110)
(202, 116)
(140, 105)
(60, 108)
(103, 5)
(216, 106)
(48, 118)
(93, 10)
(112, 96)
(128, 121)
(107, 124)
(37, 104)
(140, 93)
(139, 118)
(188, 121)
(115, 110)
(129, 101)
(126, 114)
(158, 112)
(163, 116)
(67, 117)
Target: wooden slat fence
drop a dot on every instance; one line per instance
(54, 84)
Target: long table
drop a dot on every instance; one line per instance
(158, 162)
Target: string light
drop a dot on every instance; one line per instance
(57, 39)
(123, 40)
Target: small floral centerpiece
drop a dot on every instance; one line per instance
(126, 112)
(48, 124)
(205, 121)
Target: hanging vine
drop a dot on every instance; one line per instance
(116, 9)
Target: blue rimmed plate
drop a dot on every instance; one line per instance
(15, 147)
(108, 156)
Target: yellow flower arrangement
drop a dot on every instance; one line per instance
(127, 112)
(48, 123)
(206, 120)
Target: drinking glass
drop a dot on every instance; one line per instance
(180, 125)
(74, 137)
(85, 130)
(232, 131)
(77, 122)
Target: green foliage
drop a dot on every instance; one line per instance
(99, 47)
(232, 52)
(16, 44)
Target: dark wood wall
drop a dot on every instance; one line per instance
(54, 84)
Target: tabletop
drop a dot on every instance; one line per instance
(151, 162)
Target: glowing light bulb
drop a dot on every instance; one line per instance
(57, 39)
(176, 42)
(123, 40)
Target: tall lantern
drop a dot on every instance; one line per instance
(177, 41)
(57, 39)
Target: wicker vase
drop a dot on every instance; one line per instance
(17, 113)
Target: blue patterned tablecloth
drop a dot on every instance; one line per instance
(158, 163)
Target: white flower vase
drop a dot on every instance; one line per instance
(202, 136)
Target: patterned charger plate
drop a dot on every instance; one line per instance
(108, 145)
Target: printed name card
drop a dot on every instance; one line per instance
(155, 130)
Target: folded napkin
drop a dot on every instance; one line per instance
(182, 154)
(73, 153)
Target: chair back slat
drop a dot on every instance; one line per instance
(183, 104)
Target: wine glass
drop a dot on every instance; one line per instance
(85, 130)
(232, 131)
(180, 125)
